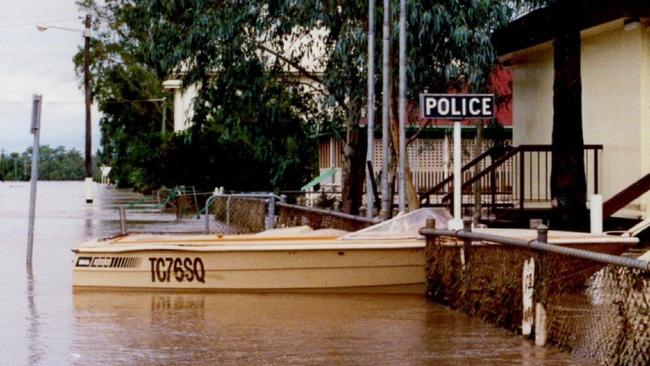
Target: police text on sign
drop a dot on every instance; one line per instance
(457, 106)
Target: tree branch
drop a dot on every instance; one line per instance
(408, 142)
(301, 70)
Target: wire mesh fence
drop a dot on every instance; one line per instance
(240, 214)
(293, 215)
(594, 310)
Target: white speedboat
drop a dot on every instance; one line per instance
(387, 257)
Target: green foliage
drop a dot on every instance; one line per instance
(54, 164)
(249, 131)
(257, 107)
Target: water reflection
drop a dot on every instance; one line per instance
(33, 329)
(44, 323)
(288, 329)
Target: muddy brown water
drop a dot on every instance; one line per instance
(44, 323)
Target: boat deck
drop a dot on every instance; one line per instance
(205, 243)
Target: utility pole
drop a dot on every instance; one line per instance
(371, 108)
(386, 205)
(402, 106)
(89, 157)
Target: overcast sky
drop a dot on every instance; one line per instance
(41, 62)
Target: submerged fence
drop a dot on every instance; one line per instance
(255, 212)
(566, 297)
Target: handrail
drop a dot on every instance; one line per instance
(487, 170)
(541, 244)
(509, 155)
(624, 197)
(450, 178)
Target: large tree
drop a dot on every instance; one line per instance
(247, 133)
(252, 82)
(568, 183)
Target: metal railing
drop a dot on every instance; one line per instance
(593, 304)
(519, 177)
(540, 244)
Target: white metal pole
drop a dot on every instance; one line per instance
(596, 213)
(457, 222)
(402, 105)
(36, 126)
(445, 156)
(385, 133)
(371, 107)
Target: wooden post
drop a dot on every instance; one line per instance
(430, 224)
(540, 325)
(528, 291)
(123, 220)
(467, 243)
(540, 310)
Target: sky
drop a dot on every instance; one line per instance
(41, 62)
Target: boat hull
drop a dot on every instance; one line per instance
(383, 270)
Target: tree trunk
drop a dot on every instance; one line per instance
(354, 165)
(568, 184)
(412, 198)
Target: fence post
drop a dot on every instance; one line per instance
(465, 250)
(540, 309)
(271, 213)
(430, 224)
(123, 220)
(522, 177)
(528, 292)
(228, 214)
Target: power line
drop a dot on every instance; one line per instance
(151, 100)
(36, 23)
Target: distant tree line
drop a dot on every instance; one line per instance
(54, 164)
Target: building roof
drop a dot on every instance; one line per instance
(536, 27)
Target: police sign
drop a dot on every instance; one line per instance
(457, 106)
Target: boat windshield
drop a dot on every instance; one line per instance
(404, 226)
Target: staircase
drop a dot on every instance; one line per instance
(512, 186)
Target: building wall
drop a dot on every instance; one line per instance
(615, 106)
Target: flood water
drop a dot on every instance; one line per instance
(44, 323)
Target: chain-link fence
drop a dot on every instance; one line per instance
(249, 213)
(592, 309)
(238, 214)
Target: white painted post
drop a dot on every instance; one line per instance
(457, 222)
(179, 112)
(36, 131)
(528, 290)
(596, 213)
(540, 325)
(106, 170)
(445, 156)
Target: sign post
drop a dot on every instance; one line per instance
(36, 131)
(457, 107)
